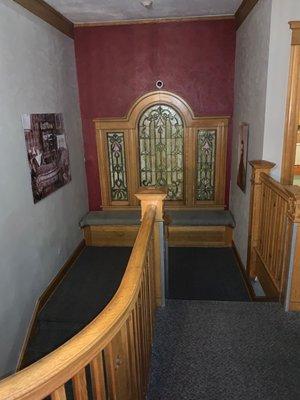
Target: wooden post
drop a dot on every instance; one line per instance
(292, 302)
(156, 197)
(258, 167)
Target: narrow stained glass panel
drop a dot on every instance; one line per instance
(161, 149)
(206, 158)
(117, 166)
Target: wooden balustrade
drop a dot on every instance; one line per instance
(273, 217)
(113, 351)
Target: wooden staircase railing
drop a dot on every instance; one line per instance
(116, 345)
(274, 236)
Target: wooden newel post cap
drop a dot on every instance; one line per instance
(258, 167)
(262, 165)
(152, 196)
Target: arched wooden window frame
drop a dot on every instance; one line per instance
(292, 109)
(129, 127)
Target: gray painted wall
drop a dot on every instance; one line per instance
(37, 70)
(262, 66)
(251, 68)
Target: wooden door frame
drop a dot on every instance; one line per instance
(292, 109)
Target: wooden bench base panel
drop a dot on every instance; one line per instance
(200, 236)
(179, 236)
(110, 235)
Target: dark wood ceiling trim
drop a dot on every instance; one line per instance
(152, 20)
(243, 11)
(49, 14)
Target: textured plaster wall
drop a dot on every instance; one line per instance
(251, 67)
(278, 72)
(37, 74)
(118, 64)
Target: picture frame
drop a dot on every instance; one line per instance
(243, 156)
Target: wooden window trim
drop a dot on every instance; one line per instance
(129, 125)
(292, 109)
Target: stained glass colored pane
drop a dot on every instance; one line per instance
(206, 158)
(161, 149)
(117, 166)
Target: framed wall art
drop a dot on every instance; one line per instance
(47, 153)
(243, 156)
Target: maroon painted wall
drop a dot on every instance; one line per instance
(118, 64)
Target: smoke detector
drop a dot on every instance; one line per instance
(147, 3)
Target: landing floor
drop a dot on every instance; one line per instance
(207, 350)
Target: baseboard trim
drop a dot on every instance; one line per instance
(242, 270)
(45, 296)
(246, 280)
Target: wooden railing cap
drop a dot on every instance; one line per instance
(160, 192)
(294, 24)
(262, 164)
(155, 196)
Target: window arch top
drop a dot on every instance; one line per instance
(161, 149)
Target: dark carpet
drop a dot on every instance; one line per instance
(81, 296)
(205, 274)
(225, 351)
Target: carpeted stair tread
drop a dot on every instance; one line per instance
(225, 350)
(50, 335)
(205, 274)
(89, 286)
(81, 296)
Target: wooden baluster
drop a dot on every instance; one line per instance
(59, 394)
(137, 330)
(132, 349)
(258, 167)
(274, 237)
(118, 371)
(280, 240)
(79, 386)
(98, 378)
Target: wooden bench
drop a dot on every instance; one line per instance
(186, 228)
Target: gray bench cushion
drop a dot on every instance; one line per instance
(178, 218)
(201, 218)
(126, 217)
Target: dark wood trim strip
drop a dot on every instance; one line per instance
(48, 14)
(242, 270)
(152, 21)
(243, 11)
(246, 280)
(45, 296)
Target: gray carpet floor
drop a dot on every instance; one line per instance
(207, 350)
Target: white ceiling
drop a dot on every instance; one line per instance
(111, 10)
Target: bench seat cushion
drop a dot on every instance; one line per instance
(201, 218)
(178, 218)
(120, 217)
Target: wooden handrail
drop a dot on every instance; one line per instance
(48, 375)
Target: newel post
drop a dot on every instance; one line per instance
(156, 197)
(258, 167)
(292, 299)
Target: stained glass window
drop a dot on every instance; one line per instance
(206, 158)
(161, 149)
(117, 166)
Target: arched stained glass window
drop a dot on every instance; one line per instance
(160, 132)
